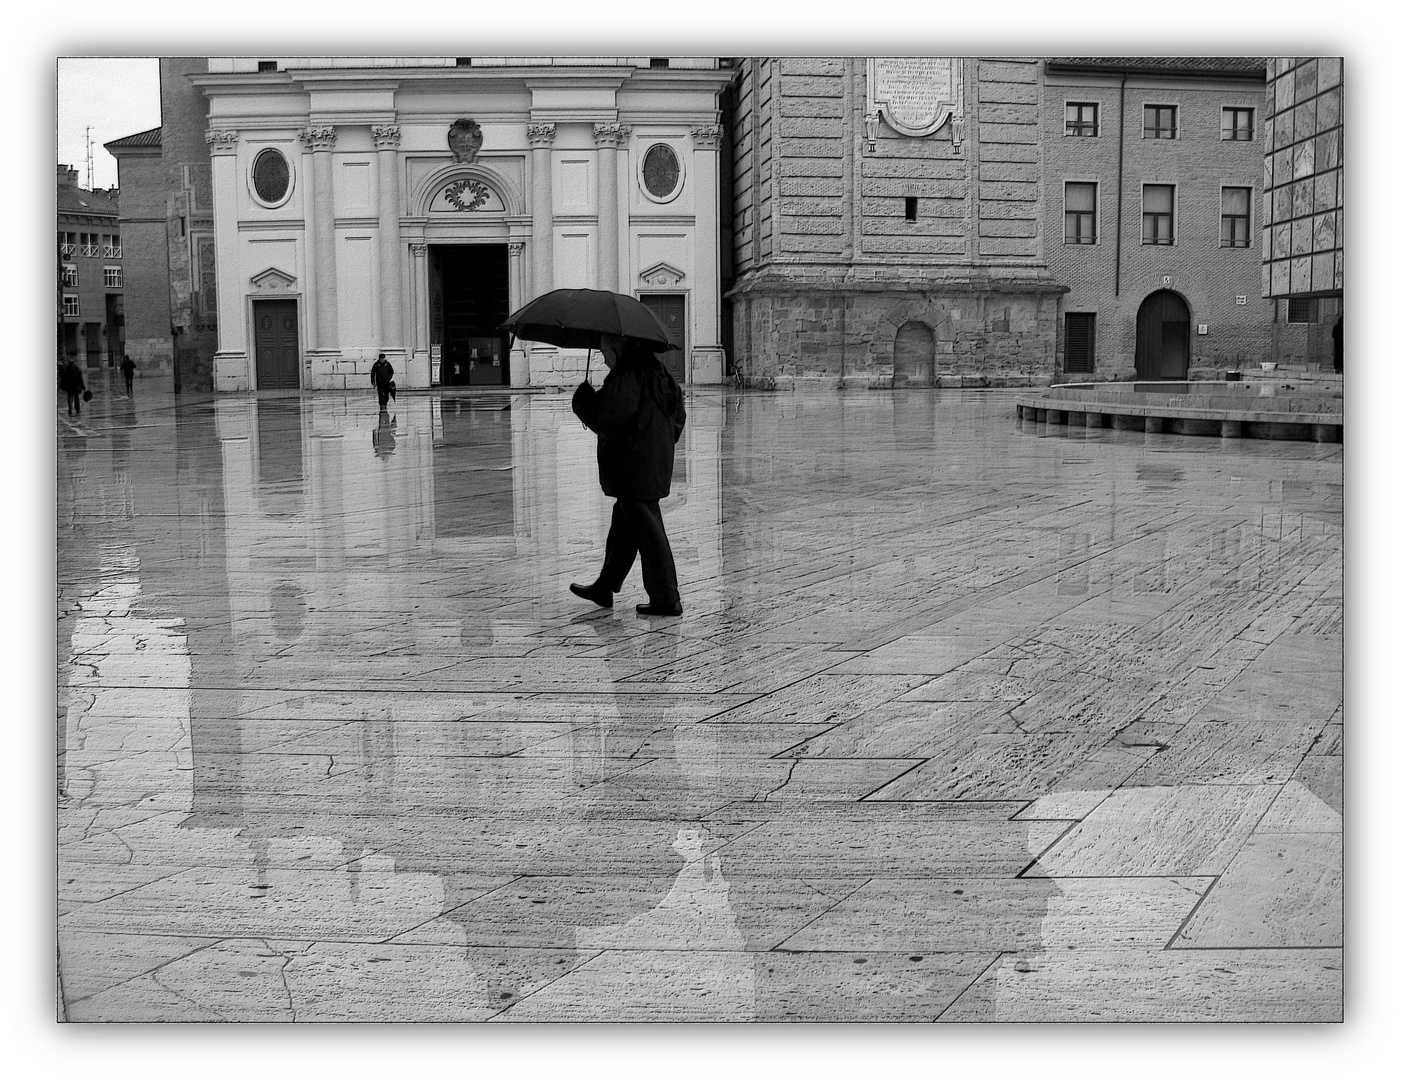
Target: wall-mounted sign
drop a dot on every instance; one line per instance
(916, 95)
(1240, 300)
(1201, 328)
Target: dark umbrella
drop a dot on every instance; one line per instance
(578, 319)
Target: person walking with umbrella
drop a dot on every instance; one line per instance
(382, 379)
(638, 415)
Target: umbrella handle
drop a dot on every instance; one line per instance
(587, 362)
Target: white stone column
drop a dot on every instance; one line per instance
(707, 360)
(231, 360)
(321, 222)
(420, 365)
(606, 138)
(542, 136)
(391, 282)
(520, 365)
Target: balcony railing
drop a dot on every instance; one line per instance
(89, 250)
(67, 250)
(112, 251)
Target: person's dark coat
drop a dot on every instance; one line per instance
(638, 415)
(381, 373)
(70, 379)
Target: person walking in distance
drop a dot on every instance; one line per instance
(127, 369)
(382, 379)
(638, 415)
(70, 381)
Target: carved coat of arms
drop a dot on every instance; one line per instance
(464, 140)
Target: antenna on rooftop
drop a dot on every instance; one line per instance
(89, 138)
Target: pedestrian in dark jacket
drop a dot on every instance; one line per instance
(638, 415)
(128, 368)
(70, 381)
(382, 379)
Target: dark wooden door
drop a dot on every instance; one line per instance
(1162, 343)
(275, 344)
(670, 310)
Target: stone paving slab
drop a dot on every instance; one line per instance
(962, 722)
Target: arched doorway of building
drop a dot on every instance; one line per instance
(1162, 342)
(469, 299)
(914, 355)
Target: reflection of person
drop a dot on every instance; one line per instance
(382, 379)
(70, 381)
(383, 435)
(127, 369)
(1338, 345)
(638, 415)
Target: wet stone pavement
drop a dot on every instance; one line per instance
(966, 720)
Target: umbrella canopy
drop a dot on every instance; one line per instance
(578, 319)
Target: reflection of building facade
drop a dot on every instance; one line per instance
(1302, 208)
(1152, 213)
(90, 269)
(168, 224)
(407, 205)
(886, 222)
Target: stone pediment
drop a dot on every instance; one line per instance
(660, 274)
(273, 280)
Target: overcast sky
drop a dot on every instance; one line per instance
(116, 96)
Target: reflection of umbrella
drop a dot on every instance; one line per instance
(578, 319)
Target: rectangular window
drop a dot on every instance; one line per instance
(70, 306)
(1082, 118)
(70, 275)
(659, 63)
(1235, 217)
(267, 65)
(1080, 213)
(87, 245)
(1237, 124)
(1301, 311)
(911, 208)
(112, 247)
(1160, 121)
(67, 245)
(1157, 213)
(1079, 341)
(112, 277)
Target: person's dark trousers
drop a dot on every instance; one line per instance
(383, 397)
(637, 529)
(75, 402)
(127, 378)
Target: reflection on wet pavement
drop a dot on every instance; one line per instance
(963, 722)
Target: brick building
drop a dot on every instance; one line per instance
(1152, 172)
(1302, 208)
(90, 274)
(168, 221)
(886, 222)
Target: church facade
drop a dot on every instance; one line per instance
(408, 205)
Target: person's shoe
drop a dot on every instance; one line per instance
(599, 594)
(658, 609)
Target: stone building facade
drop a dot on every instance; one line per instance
(1152, 208)
(168, 218)
(90, 295)
(887, 222)
(407, 205)
(1302, 208)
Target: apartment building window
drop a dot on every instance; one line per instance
(1079, 341)
(67, 245)
(70, 306)
(112, 277)
(88, 245)
(1160, 121)
(1082, 118)
(1080, 199)
(1235, 217)
(1237, 124)
(70, 275)
(112, 247)
(1157, 213)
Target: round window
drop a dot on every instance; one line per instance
(271, 176)
(661, 171)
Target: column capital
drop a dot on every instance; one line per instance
(610, 134)
(707, 136)
(221, 141)
(417, 250)
(516, 248)
(319, 137)
(540, 135)
(386, 136)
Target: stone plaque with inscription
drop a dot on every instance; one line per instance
(915, 94)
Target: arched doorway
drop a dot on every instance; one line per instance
(1163, 338)
(914, 355)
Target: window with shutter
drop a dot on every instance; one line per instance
(1079, 341)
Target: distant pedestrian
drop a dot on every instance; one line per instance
(1338, 345)
(382, 379)
(70, 381)
(128, 369)
(638, 415)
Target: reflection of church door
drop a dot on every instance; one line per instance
(275, 344)
(1161, 344)
(670, 310)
